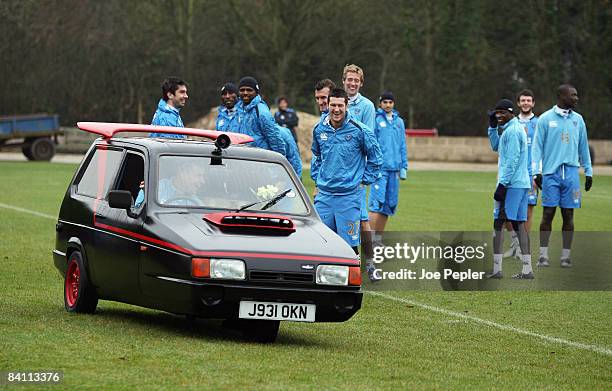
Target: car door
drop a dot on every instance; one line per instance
(118, 239)
(87, 194)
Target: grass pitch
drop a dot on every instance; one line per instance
(404, 340)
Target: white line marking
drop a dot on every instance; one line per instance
(18, 209)
(578, 345)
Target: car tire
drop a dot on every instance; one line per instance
(263, 331)
(79, 295)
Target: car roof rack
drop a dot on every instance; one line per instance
(109, 129)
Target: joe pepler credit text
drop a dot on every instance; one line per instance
(423, 274)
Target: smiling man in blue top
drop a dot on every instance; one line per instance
(513, 184)
(348, 157)
(362, 109)
(255, 119)
(174, 97)
(227, 119)
(561, 146)
(321, 94)
(526, 117)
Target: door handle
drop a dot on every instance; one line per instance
(100, 216)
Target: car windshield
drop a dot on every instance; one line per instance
(199, 181)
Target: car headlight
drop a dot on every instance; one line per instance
(227, 269)
(332, 275)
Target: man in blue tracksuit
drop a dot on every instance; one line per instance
(292, 152)
(174, 97)
(526, 117)
(322, 90)
(227, 119)
(390, 132)
(348, 157)
(513, 184)
(561, 146)
(321, 94)
(255, 119)
(362, 109)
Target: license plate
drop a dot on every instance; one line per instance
(277, 311)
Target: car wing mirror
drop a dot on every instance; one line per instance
(122, 199)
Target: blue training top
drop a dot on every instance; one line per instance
(561, 138)
(513, 169)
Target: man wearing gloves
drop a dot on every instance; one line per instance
(390, 132)
(174, 97)
(526, 117)
(348, 157)
(513, 184)
(227, 119)
(255, 119)
(561, 146)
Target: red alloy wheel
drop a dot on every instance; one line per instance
(72, 283)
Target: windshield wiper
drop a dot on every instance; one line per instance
(269, 204)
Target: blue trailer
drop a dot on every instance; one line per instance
(36, 134)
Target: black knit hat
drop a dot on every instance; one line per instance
(249, 81)
(505, 104)
(386, 95)
(229, 87)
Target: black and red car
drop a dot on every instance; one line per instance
(200, 228)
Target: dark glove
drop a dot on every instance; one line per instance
(588, 183)
(492, 119)
(538, 181)
(500, 193)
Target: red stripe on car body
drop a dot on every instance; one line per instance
(226, 253)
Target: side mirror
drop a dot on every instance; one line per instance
(120, 199)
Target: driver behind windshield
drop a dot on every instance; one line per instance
(182, 188)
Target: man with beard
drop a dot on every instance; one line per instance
(174, 97)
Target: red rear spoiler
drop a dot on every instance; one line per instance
(109, 129)
(266, 222)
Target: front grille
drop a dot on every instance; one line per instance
(257, 275)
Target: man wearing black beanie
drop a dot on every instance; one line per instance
(255, 119)
(227, 119)
(508, 138)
